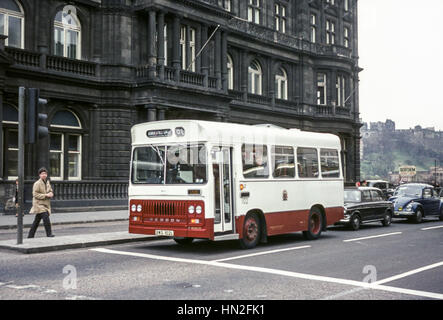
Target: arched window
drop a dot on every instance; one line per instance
(12, 21)
(10, 141)
(230, 73)
(255, 78)
(281, 84)
(65, 146)
(67, 33)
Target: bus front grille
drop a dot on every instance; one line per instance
(164, 208)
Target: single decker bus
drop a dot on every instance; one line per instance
(194, 179)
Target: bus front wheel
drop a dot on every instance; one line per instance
(251, 232)
(315, 223)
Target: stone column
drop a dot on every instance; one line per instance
(218, 59)
(161, 113)
(204, 54)
(161, 45)
(176, 47)
(152, 113)
(152, 56)
(224, 60)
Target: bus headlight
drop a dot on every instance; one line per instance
(139, 208)
(133, 208)
(191, 209)
(198, 209)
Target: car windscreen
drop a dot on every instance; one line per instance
(176, 164)
(408, 191)
(352, 196)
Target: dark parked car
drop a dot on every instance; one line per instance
(416, 201)
(385, 187)
(364, 205)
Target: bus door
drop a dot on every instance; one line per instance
(221, 170)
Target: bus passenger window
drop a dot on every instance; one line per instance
(307, 159)
(283, 165)
(329, 163)
(255, 161)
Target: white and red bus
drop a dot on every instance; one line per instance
(194, 179)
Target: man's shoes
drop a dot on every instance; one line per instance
(51, 236)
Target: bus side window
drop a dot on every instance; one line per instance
(255, 161)
(307, 159)
(283, 162)
(330, 167)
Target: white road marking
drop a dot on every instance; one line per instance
(262, 253)
(431, 228)
(409, 273)
(372, 237)
(29, 286)
(278, 272)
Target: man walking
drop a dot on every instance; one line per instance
(41, 206)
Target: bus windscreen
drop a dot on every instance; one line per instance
(176, 164)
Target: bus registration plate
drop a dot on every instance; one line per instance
(168, 233)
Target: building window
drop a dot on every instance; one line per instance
(67, 34)
(346, 5)
(255, 78)
(330, 32)
(330, 2)
(280, 18)
(321, 89)
(183, 46)
(10, 141)
(65, 146)
(346, 34)
(341, 89)
(12, 21)
(230, 69)
(313, 28)
(281, 84)
(185, 43)
(192, 48)
(254, 11)
(227, 5)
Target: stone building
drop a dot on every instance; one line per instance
(105, 65)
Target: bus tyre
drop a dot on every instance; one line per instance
(184, 241)
(315, 223)
(251, 232)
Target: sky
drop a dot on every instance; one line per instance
(401, 52)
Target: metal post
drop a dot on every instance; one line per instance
(21, 162)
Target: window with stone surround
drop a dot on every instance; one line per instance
(67, 33)
(12, 20)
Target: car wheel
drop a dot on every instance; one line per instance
(251, 232)
(355, 222)
(387, 219)
(184, 241)
(418, 216)
(315, 224)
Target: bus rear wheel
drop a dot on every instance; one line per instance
(184, 241)
(315, 223)
(251, 232)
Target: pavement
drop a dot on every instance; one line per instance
(44, 244)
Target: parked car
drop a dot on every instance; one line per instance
(365, 205)
(416, 201)
(386, 187)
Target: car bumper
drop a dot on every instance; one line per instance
(403, 214)
(345, 220)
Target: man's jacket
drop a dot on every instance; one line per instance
(40, 203)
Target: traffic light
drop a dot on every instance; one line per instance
(36, 126)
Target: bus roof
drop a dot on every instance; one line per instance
(182, 131)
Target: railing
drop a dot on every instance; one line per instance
(191, 78)
(169, 73)
(212, 82)
(70, 65)
(24, 57)
(89, 190)
(259, 99)
(33, 59)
